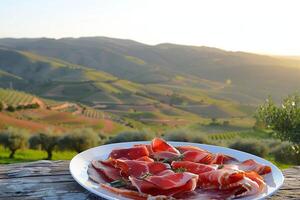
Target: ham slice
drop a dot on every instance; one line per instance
(252, 165)
(167, 183)
(148, 146)
(165, 156)
(192, 167)
(159, 145)
(130, 153)
(137, 168)
(107, 171)
(220, 159)
(125, 192)
(198, 157)
(183, 149)
(145, 158)
(220, 179)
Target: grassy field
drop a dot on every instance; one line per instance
(28, 155)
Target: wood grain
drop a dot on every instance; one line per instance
(51, 180)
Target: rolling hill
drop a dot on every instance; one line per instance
(139, 85)
(60, 80)
(237, 76)
(61, 116)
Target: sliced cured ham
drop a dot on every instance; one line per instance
(192, 167)
(107, 171)
(137, 168)
(167, 183)
(166, 156)
(220, 158)
(145, 158)
(130, 153)
(125, 192)
(183, 149)
(220, 178)
(162, 171)
(148, 146)
(159, 145)
(198, 157)
(252, 165)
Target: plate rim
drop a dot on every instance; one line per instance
(175, 143)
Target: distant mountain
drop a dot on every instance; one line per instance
(57, 79)
(242, 77)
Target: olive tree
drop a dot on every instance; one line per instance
(13, 139)
(79, 140)
(283, 119)
(46, 141)
(129, 136)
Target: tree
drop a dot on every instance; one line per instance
(1, 106)
(46, 141)
(10, 108)
(13, 139)
(284, 120)
(255, 147)
(79, 140)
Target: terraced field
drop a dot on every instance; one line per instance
(92, 113)
(15, 98)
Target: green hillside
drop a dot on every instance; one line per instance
(246, 78)
(52, 78)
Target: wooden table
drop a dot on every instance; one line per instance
(52, 180)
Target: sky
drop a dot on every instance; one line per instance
(259, 26)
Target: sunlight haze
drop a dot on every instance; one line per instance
(268, 27)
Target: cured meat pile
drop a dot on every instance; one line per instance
(161, 171)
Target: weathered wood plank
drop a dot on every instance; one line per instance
(51, 180)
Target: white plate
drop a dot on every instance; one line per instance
(79, 165)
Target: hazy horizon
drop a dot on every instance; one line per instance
(266, 27)
(296, 56)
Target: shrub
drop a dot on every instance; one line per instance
(226, 123)
(185, 136)
(283, 119)
(10, 108)
(32, 106)
(286, 154)
(178, 135)
(251, 146)
(20, 107)
(79, 140)
(128, 136)
(200, 139)
(46, 141)
(13, 139)
(1, 106)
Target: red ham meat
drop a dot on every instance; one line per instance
(130, 153)
(137, 168)
(125, 192)
(252, 165)
(165, 156)
(183, 149)
(195, 168)
(159, 145)
(220, 158)
(107, 170)
(148, 146)
(251, 184)
(216, 176)
(220, 179)
(145, 158)
(167, 183)
(198, 157)
(206, 157)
